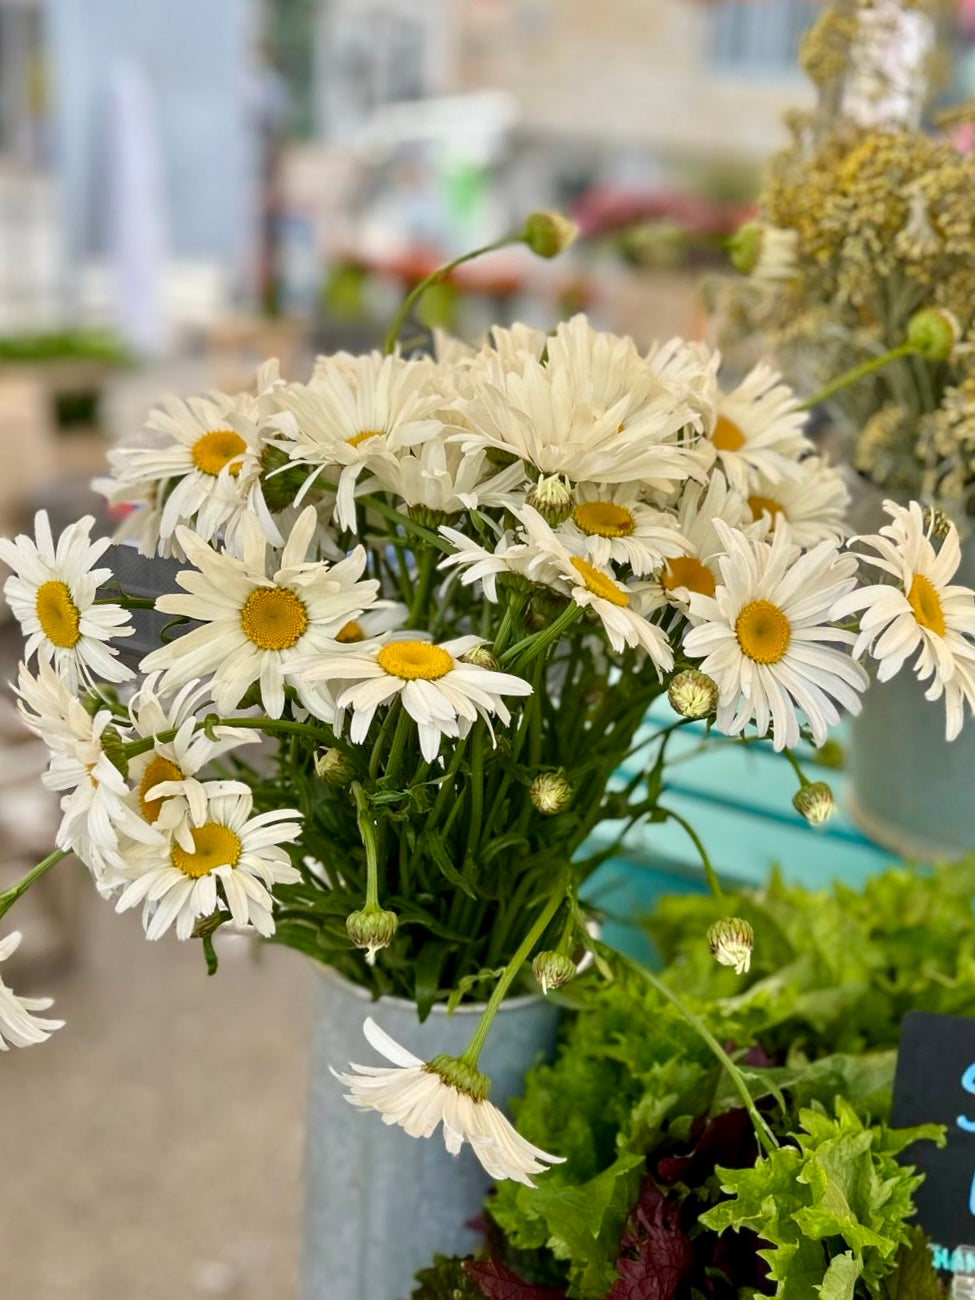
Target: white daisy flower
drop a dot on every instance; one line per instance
(254, 626)
(478, 564)
(441, 693)
(697, 510)
(235, 862)
(615, 526)
(440, 478)
(759, 430)
(958, 692)
(357, 416)
(384, 616)
(620, 608)
(53, 593)
(166, 786)
(538, 415)
(419, 1096)
(765, 636)
(19, 1025)
(921, 610)
(813, 505)
(207, 456)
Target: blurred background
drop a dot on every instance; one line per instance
(187, 188)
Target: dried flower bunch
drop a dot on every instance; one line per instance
(863, 255)
(425, 605)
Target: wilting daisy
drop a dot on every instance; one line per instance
(254, 626)
(765, 637)
(166, 780)
(419, 1096)
(353, 417)
(812, 505)
(19, 1026)
(921, 610)
(697, 510)
(235, 861)
(620, 608)
(53, 593)
(615, 526)
(442, 693)
(759, 430)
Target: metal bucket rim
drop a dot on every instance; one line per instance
(363, 994)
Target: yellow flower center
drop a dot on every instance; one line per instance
(686, 571)
(924, 601)
(410, 660)
(604, 519)
(762, 631)
(601, 586)
(760, 505)
(159, 770)
(212, 451)
(214, 846)
(351, 633)
(361, 437)
(727, 436)
(273, 618)
(58, 614)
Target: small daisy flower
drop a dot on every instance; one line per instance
(921, 610)
(478, 564)
(440, 691)
(813, 505)
(384, 616)
(759, 430)
(765, 638)
(439, 480)
(52, 593)
(254, 626)
(697, 510)
(19, 1025)
(420, 1096)
(235, 861)
(615, 526)
(165, 781)
(356, 416)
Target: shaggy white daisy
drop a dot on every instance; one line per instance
(615, 526)
(19, 1025)
(355, 416)
(166, 784)
(419, 1096)
(440, 478)
(254, 626)
(697, 510)
(53, 592)
(812, 505)
(621, 609)
(767, 639)
(235, 861)
(759, 430)
(921, 610)
(442, 693)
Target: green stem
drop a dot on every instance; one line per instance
(858, 372)
(712, 879)
(433, 278)
(542, 921)
(367, 830)
(10, 896)
(529, 647)
(404, 726)
(765, 1135)
(272, 726)
(803, 779)
(427, 568)
(127, 602)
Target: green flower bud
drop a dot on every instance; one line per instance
(937, 521)
(745, 247)
(114, 748)
(547, 233)
(334, 768)
(553, 969)
(693, 694)
(544, 609)
(481, 657)
(831, 755)
(933, 333)
(427, 517)
(552, 498)
(731, 941)
(814, 802)
(550, 793)
(372, 929)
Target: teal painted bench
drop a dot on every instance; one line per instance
(738, 798)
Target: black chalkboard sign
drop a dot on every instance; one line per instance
(935, 1084)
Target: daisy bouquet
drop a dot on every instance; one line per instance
(425, 604)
